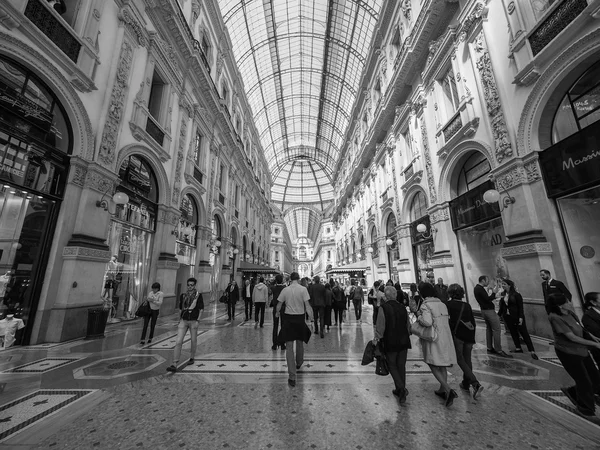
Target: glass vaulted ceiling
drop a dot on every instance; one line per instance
(301, 62)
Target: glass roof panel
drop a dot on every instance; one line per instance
(301, 62)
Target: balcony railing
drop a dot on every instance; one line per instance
(237, 214)
(409, 172)
(221, 199)
(60, 34)
(452, 127)
(557, 20)
(154, 131)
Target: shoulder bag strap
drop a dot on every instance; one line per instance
(462, 308)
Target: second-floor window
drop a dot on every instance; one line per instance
(450, 93)
(328, 255)
(224, 92)
(237, 196)
(221, 177)
(155, 101)
(277, 256)
(198, 150)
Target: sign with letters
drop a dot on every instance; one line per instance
(573, 163)
(470, 208)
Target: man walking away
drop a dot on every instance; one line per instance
(485, 297)
(259, 298)
(550, 286)
(358, 298)
(276, 289)
(295, 297)
(392, 329)
(316, 291)
(191, 305)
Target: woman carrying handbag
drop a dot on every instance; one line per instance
(438, 353)
(233, 295)
(155, 299)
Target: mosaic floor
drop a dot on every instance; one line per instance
(115, 393)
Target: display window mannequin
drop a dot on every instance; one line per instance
(8, 330)
(110, 278)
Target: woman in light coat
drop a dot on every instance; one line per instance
(440, 354)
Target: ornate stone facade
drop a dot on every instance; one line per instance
(428, 166)
(108, 142)
(503, 147)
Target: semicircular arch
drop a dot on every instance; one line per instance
(83, 140)
(449, 170)
(164, 191)
(197, 196)
(535, 125)
(408, 199)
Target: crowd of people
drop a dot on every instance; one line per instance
(438, 314)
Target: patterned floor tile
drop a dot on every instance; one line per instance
(279, 365)
(168, 343)
(511, 369)
(557, 398)
(119, 366)
(41, 365)
(17, 415)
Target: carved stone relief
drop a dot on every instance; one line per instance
(180, 157)
(108, 142)
(503, 147)
(428, 165)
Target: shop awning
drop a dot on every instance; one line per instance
(255, 268)
(358, 266)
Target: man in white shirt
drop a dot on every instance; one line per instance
(295, 297)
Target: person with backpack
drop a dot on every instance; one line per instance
(358, 298)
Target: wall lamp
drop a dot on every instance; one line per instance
(422, 229)
(120, 198)
(370, 249)
(493, 196)
(389, 242)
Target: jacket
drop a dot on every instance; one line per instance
(317, 295)
(591, 322)
(554, 287)
(276, 290)
(513, 305)
(396, 336)
(260, 294)
(233, 295)
(191, 305)
(251, 292)
(484, 299)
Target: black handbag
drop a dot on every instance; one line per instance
(369, 354)
(143, 310)
(381, 366)
(223, 298)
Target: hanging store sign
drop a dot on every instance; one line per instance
(470, 209)
(573, 163)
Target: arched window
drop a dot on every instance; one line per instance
(418, 206)
(302, 252)
(580, 107)
(139, 183)
(185, 232)
(474, 172)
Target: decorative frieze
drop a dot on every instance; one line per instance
(428, 165)
(520, 173)
(86, 254)
(180, 150)
(503, 147)
(126, 16)
(440, 215)
(525, 250)
(116, 108)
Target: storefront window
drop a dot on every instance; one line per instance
(24, 225)
(35, 143)
(581, 215)
(185, 232)
(423, 247)
(130, 240)
(580, 106)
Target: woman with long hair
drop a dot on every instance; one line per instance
(572, 350)
(439, 354)
(511, 311)
(462, 324)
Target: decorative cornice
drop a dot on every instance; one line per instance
(127, 16)
(85, 254)
(519, 171)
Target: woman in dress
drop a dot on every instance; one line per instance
(462, 325)
(572, 350)
(511, 311)
(440, 354)
(155, 299)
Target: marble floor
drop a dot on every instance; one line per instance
(114, 393)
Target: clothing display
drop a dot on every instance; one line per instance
(8, 330)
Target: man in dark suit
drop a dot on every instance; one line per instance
(441, 290)
(550, 286)
(317, 301)
(247, 294)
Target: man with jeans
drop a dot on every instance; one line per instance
(293, 325)
(191, 305)
(317, 301)
(392, 328)
(485, 299)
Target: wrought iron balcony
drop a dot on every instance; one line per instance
(555, 23)
(154, 131)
